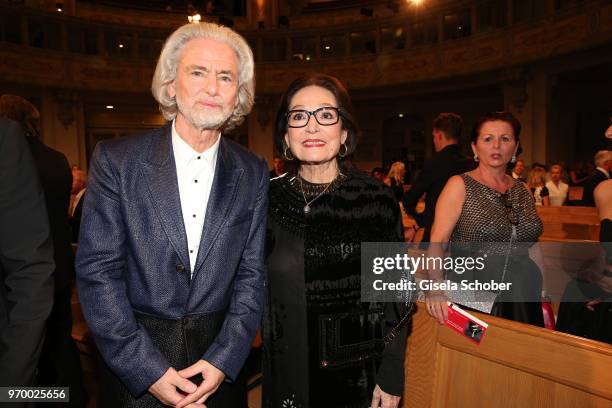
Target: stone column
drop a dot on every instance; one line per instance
(62, 123)
(527, 96)
(261, 127)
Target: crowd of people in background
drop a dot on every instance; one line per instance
(187, 241)
(549, 184)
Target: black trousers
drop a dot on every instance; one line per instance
(60, 364)
(182, 341)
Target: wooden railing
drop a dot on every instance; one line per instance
(569, 224)
(516, 365)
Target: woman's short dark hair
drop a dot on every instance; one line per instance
(498, 116)
(347, 115)
(493, 117)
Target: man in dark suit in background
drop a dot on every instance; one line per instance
(278, 167)
(59, 363)
(170, 263)
(79, 186)
(26, 260)
(445, 163)
(603, 163)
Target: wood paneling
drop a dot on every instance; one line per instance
(569, 223)
(516, 365)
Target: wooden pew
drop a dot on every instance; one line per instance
(575, 194)
(569, 223)
(516, 365)
(566, 229)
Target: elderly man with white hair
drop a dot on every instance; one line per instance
(603, 163)
(170, 263)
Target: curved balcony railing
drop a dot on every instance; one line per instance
(469, 37)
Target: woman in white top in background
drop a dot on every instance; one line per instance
(557, 189)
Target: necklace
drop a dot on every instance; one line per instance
(307, 208)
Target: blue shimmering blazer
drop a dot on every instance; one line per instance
(132, 253)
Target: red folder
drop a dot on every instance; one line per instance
(466, 324)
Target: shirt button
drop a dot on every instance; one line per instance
(191, 251)
(195, 181)
(180, 268)
(199, 157)
(194, 215)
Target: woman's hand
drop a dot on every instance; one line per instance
(381, 399)
(437, 306)
(411, 233)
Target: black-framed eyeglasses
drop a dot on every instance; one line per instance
(325, 116)
(506, 200)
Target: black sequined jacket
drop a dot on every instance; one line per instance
(314, 277)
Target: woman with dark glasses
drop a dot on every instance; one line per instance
(323, 347)
(494, 216)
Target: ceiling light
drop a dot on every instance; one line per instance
(401, 115)
(327, 47)
(195, 18)
(110, 107)
(308, 58)
(120, 45)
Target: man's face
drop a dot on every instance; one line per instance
(278, 165)
(519, 167)
(437, 139)
(555, 173)
(78, 181)
(206, 83)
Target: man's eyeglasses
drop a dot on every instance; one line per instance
(506, 200)
(325, 116)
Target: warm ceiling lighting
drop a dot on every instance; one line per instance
(120, 45)
(59, 10)
(196, 18)
(327, 47)
(308, 58)
(416, 2)
(110, 107)
(59, 7)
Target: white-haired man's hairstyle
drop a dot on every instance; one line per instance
(601, 157)
(165, 72)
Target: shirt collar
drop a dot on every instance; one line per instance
(183, 153)
(604, 171)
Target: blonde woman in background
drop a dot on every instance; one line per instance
(537, 185)
(395, 179)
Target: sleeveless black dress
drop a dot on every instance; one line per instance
(322, 345)
(485, 219)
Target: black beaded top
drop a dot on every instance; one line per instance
(485, 216)
(314, 287)
(352, 201)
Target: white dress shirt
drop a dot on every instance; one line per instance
(195, 173)
(604, 171)
(557, 194)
